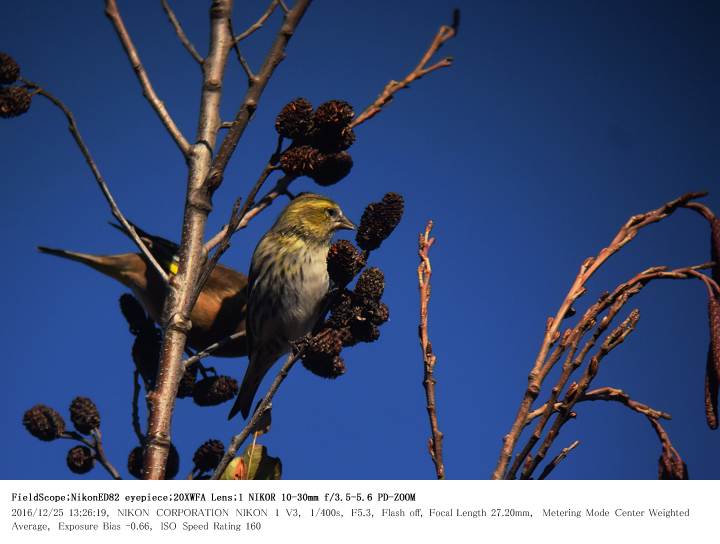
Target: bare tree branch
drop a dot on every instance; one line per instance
(178, 303)
(212, 348)
(101, 457)
(205, 176)
(113, 14)
(238, 440)
(254, 92)
(615, 338)
(279, 189)
(606, 394)
(181, 33)
(257, 25)
(242, 60)
(444, 34)
(429, 359)
(543, 362)
(615, 302)
(557, 460)
(115, 210)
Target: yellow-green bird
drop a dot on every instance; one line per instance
(219, 311)
(288, 285)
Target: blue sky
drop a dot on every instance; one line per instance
(558, 121)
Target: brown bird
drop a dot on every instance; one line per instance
(219, 311)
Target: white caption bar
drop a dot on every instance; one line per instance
(323, 511)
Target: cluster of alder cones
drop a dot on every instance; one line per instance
(14, 100)
(320, 140)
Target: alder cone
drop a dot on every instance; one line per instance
(344, 261)
(371, 283)
(80, 460)
(332, 168)
(14, 101)
(295, 119)
(302, 160)
(379, 220)
(9, 69)
(84, 415)
(44, 422)
(208, 455)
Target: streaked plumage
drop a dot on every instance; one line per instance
(220, 308)
(288, 285)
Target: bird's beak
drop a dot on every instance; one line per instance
(345, 223)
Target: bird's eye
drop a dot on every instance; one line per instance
(332, 212)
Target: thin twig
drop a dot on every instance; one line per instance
(280, 188)
(540, 369)
(212, 348)
(557, 460)
(257, 25)
(238, 440)
(111, 10)
(702, 209)
(101, 457)
(242, 60)
(114, 209)
(429, 359)
(444, 34)
(181, 33)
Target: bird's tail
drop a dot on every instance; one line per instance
(106, 264)
(245, 397)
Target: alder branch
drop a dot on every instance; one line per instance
(429, 359)
(252, 97)
(543, 362)
(111, 10)
(181, 33)
(242, 60)
(444, 34)
(280, 188)
(257, 25)
(557, 460)
(102, 184)
(101, 457)
(615, 338)
(178, 303)
(615, 303)
(702, 209)
(608, 394)
(212, 348)
(238, 440)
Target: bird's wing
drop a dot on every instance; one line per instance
(164, 250)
